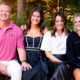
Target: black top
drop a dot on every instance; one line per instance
(34, 54)
(33, 43)
(73, 49)
(32, 47)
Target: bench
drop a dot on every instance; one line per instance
(3, 77)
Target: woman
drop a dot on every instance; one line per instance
(54, 45)
(73, 48)
(33, 34)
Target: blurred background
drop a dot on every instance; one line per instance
(22, 8)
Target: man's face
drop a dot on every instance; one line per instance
(5, 12)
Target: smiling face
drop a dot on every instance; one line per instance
(35, 19)
(5, 12)
(76, 23)
(59, 24)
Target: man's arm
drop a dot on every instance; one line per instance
(3, 69)
(22, 57)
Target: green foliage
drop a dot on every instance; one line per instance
(68, 7)
(63, 4)
(28, 8)
(24, 16)
(70, 24)
(74, 6)
(35, 3)
(16, 21)
(47, 22)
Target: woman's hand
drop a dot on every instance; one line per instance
(52, 57)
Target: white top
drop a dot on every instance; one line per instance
(57, 45)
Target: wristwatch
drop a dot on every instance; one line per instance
(23, 61)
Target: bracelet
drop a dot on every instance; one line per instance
(23, 61)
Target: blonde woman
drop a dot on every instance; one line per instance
(73, 48)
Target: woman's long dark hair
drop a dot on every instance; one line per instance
(52, 23)
(41, 24)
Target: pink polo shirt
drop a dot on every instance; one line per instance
(10, 39)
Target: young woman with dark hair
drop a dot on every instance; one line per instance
(33, 35)
(54, 45)
(41, 24)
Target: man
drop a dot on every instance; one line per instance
(11, 41)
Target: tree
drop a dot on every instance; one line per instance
(0, 0)
(57, 5)
(20, 7)
(74, 6)
(27, 0)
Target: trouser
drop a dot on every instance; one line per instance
(36, 73)
(58, 71)
(14, 69)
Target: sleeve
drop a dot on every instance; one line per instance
(70, 51)
(20, 39)
(46, 42)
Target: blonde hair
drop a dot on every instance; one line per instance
(77, 15)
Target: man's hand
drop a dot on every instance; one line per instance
(26, 65)
(3, 69)
(22, 56)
